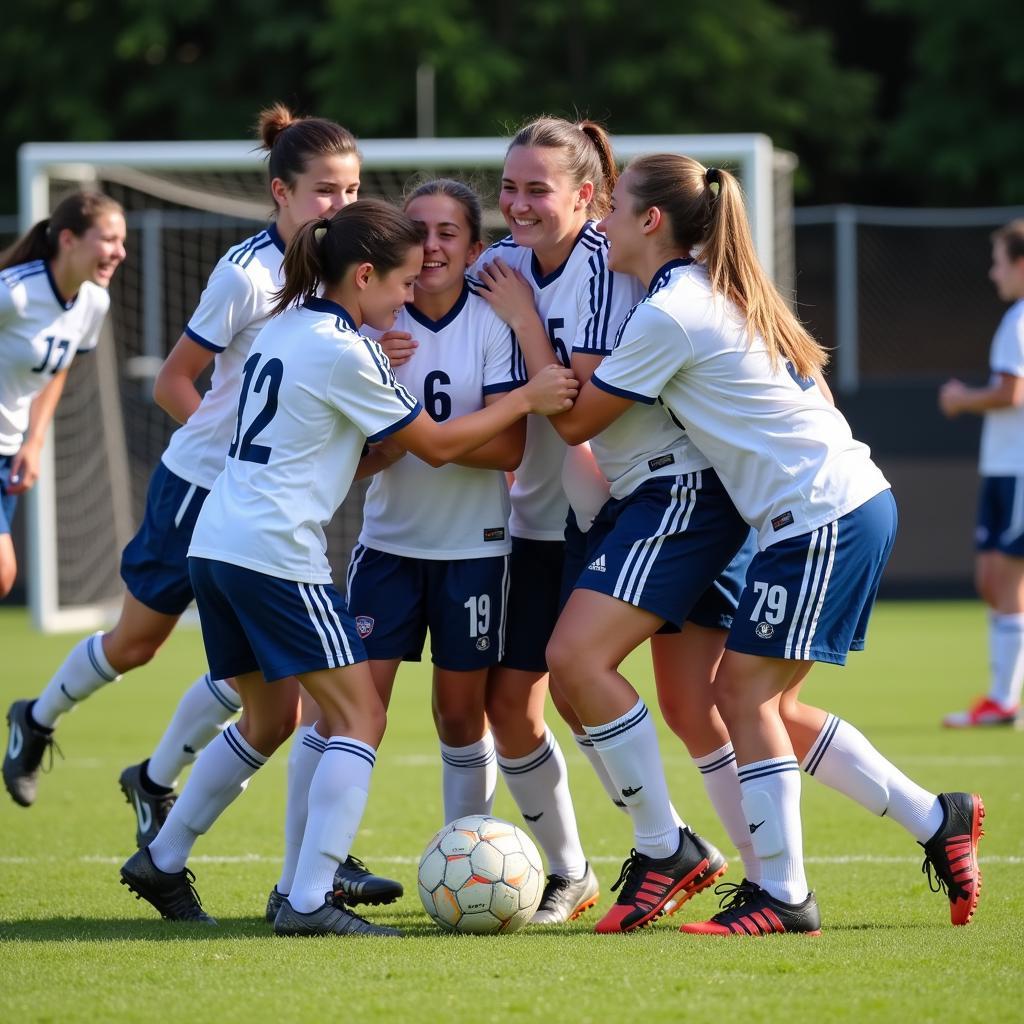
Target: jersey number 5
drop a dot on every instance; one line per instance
(269, 376)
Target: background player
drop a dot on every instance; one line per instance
(313, 392)
(999, 566)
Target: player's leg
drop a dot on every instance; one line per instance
(8, 561)
(469, 773)
(999, 578)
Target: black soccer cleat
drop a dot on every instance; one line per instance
(749, 910)
(648, 884)
(274, 901)
(354, 884)
(151, 809)
(332, 918)
(173, 894)
(952, 853)
(26, 746)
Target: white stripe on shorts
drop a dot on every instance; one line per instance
(329, 654)
(332, 618)
(1016, 524)
(357, 556)
(505, 581)
(183, 507)
(817, 571)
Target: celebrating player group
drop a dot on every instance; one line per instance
(606, 429)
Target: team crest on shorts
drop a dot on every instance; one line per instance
(764, 630)
(364, 626)
(483, 643)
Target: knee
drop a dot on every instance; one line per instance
(504, 709)
(8, 572)
(729, 700)
(567, 662)
(266, 732)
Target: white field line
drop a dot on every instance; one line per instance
(258, 858)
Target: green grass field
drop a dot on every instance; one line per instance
(77, 947)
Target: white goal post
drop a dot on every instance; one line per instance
(98, 515)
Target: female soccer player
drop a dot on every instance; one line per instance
(313, 392)
(715, 344)
(53, 298)
(999, 567)
(313, 169)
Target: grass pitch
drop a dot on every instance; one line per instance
(74, 946)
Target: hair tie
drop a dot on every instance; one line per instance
(713, 178)
(320, 231)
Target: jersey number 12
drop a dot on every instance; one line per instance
(269, 377)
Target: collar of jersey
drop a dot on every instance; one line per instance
(663, 271)
(437, 325)
(319, 305)
(275, 236)
(61, 301)
(543, 280)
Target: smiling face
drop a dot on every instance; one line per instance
(1005, 273)
(92, 256)
(329, 182)
(448, 248)
(382, 296)
(543, 209)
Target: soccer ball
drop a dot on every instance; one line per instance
(481, 875)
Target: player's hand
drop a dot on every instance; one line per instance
(506, 291)
(24, 469)
(951, 396)
(551, 391)
(398, 346)
(389, 450)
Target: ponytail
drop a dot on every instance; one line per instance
(705, 209)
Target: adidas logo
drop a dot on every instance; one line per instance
(597, 565)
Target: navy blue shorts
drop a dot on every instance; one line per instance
(394, 600)
(1001, 515)
(809, 598)
(663, 547)
(252, 621)
(8, 502)
(154, 565)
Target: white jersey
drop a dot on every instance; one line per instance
(413, 509)
(313, 392)
(783, 452)
(580, 304)
(40, 332)
(1002, 431)
(233, 309)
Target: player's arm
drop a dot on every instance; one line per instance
(378, 457)
(502, 452)
(1007, 391)
(174, 389)
(25, 464)
(551, 391)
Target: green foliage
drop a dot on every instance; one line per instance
(958, 130)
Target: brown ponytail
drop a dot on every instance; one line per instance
(704, 207)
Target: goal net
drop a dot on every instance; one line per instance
(186, 203)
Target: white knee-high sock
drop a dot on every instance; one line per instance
(84, 671)
(206, 708)
(539, 784)
(337, 799)
(843, 758)
(469, 777)
(1006, 655)
(722, 784)
(586, 747)
(771, 803)
(221, 773)
(629, 749)
(307, 748)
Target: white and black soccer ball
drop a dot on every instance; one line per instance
(481, 875)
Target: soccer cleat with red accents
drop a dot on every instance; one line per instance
(952, 853)
(647, 884)
(750, 910)
(984, 711)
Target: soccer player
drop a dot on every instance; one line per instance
(555, 183)
(999, 567)
(53, 298)
(313, 169)
(715, 344)
(313, 392)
